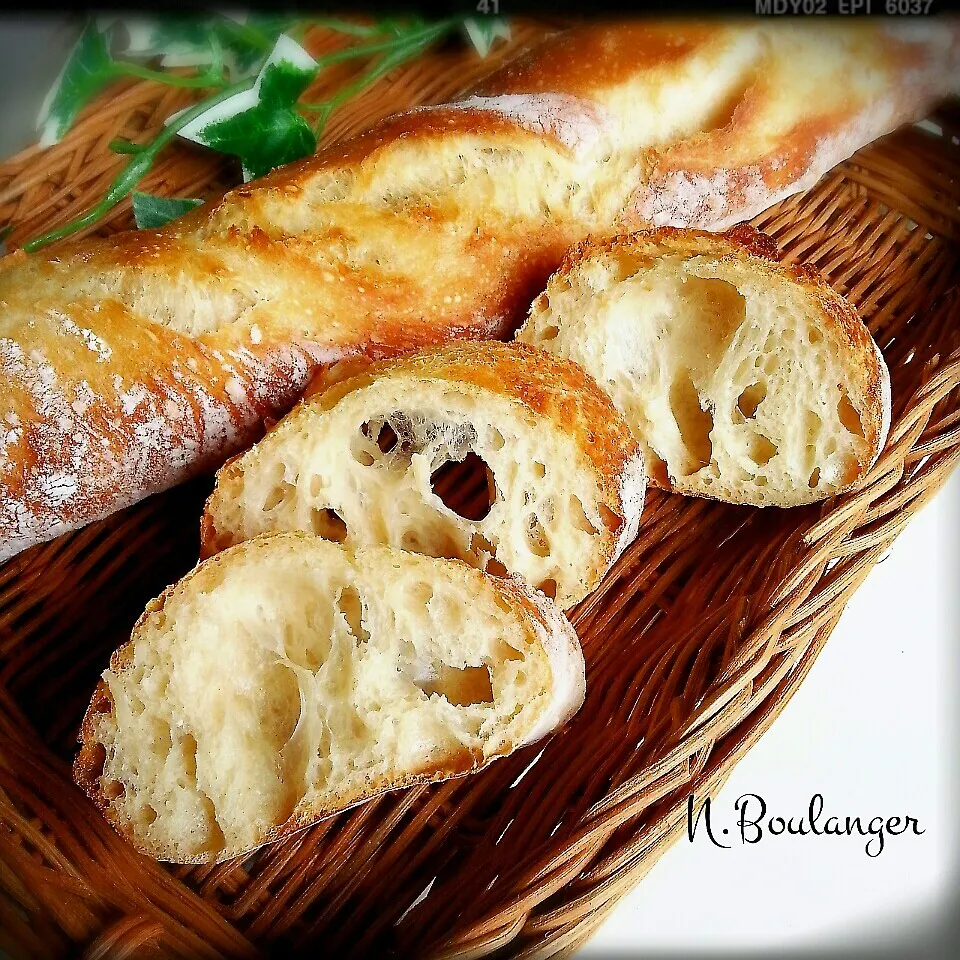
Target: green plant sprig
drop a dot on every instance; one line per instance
(213, 76)
(393, 55)
(135, 170)
(268, 133)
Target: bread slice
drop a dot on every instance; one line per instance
(744, 378)
(289, 678)
(360, 463)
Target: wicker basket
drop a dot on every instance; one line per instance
(694, 642)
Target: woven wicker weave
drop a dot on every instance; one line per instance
(693, 643)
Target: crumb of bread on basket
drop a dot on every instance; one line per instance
(744, 378)
(560, 480)
(289, 678)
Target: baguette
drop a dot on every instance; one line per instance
(289, 678)
(359, 462)
(128, 364)
(744, 379)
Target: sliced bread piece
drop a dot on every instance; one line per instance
(361, 463)
(289, 678)
(744, 378)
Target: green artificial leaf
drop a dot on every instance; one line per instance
(151, 212)
(285, 76)
(87, 71)
(483, 32)
(260, 125)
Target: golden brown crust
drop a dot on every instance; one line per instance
(596, 57)
(813, 97)
(322, 260)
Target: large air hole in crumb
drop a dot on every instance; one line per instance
(113, 790)
(694, 423)
(420, 593)
(188, 749)
(548, 587)
(657, 471)
(328, 524)
(462, 686)
(751, 398)
(304, 644)
(481, 547)
(537, 538)
(506, 651)
(849, 416)
(762, 450)
(720, 307)
(351, 606)
(379, 439)
(451, 481)
(550, 332)
(387, 438)
(98, 761)
(814, 478)
(361, 455)
(580, 519)
(280, 708)
(610, 518)
(410, 540)
(277, 495)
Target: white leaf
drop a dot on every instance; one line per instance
(238, 103)
(483, 33)
(286, 50)
(141, 34)
(47, 125)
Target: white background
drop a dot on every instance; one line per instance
(871, 728)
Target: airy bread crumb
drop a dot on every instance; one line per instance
(289, 678)
(744, 379)
(360, 463)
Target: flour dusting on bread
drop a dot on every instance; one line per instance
(436, 224)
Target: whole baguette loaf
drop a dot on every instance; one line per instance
(362, 463)
(289, 678)
(128, 364)
(743, 378)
